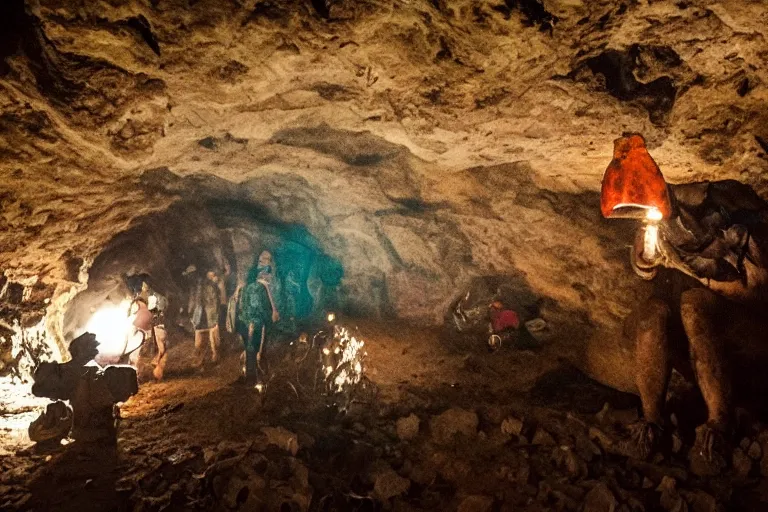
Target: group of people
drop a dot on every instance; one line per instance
(247, 312)
(242, 309)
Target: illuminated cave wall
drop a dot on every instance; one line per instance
(422, 144)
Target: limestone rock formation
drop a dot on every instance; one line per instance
(420, 143)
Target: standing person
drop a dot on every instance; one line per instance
(142, 323)
(259, 313)
(234, 320)
(235, 324)
(156, 304)
(221, 311)
(204, 301)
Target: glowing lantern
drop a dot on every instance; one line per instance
(633, 184)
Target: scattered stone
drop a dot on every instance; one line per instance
(282, 438)
(209, 455)
(492, 414)
(601, 437)
(512, 426)
(454, 421)
(53, 425)
(476, 504)
(574, 466)
(744, 444)
(389, 484)
(635, 505)
(754, 451)
(742, 464)
(551, 490)
(677, 443)
(602, 417)
(408, 427)
(600, 499)
(586, 448)
(700, 501)
(670, 500)
(243, 492)
(542, 437)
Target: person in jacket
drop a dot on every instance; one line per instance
(204, 301)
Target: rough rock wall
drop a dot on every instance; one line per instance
(424, 141)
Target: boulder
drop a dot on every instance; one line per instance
(389, 484)
(452, 422)
(512, 426)
(542, 437)
(52, 425)
(701, 501)
(600, 499)
(742, 464)
(670, 499)
(408, 427)
(282, 438)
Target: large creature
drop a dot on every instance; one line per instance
(707, 316)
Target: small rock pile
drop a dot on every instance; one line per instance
(392, 457)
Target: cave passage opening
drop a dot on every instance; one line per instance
(167, 250)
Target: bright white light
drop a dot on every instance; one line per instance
(654, 214)
(651, 237)
(111, 325)
(351, 354)
(649, 241)
(331, 317)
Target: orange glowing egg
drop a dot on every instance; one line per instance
(633, 183)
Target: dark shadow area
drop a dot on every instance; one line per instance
(620, 69)
(14, 27)
(568, 389)
(78, 477)
(534, 13)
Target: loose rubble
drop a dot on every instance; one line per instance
(268, 452)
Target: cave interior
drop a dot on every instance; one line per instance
(449, 320)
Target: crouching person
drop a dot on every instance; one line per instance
(505, 328)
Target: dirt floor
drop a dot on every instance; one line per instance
(446, 426)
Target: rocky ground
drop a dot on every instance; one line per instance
(452, 427)
(423, 143)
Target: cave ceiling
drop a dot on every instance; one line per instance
(423, 142)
